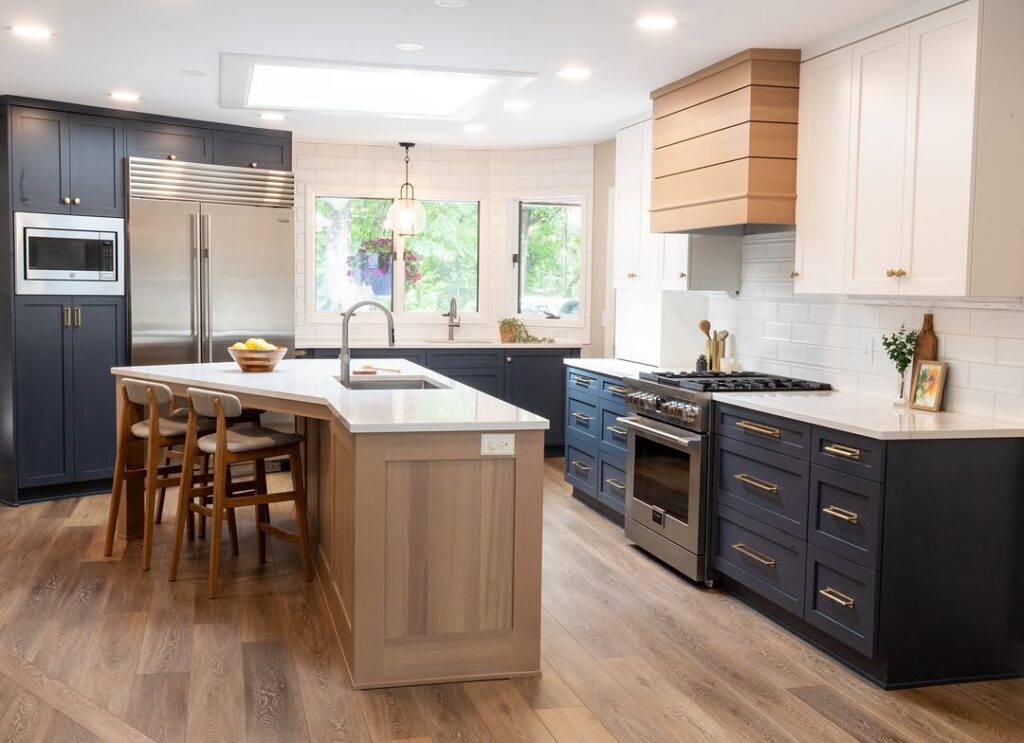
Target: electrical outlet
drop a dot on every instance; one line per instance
(497, 444)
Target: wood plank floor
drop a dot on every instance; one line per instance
(94, 649)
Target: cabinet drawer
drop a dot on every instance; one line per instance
(849, 453)
(760, 483)
(613, 433)
(464, 358)
(578, 380)
(582, 419)
(845, 516)
(612, 488)
(841, 599)
(581, 468)
(613, 389)
(778, 434)
(761, 557)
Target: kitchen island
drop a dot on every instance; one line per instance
(424, 500)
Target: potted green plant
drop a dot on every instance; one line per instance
(702, 363)
(899, 347)
(512, 330)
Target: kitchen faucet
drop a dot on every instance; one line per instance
(346, 354)
(453, 318)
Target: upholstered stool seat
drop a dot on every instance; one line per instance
(175, 423)
(248, 439)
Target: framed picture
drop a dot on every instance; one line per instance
(928, 384)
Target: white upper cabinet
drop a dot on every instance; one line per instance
(823, 172)
(940, 139)
(878, 124)
(932, 199)
(655, 261)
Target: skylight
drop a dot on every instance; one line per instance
(377, 90)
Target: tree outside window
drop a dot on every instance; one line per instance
(549, 258)
(356, 257)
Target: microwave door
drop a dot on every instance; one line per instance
(164, 281)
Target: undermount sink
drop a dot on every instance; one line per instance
(390, 383)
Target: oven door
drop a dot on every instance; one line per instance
(665, 476)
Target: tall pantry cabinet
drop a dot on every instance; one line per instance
(910, 167)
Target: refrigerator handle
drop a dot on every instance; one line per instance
(197, 285)
(207, 313)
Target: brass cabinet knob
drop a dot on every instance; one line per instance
(66, 199)
(890, 273)
(900, 273)
(630, 275)
(508, 359)
(76, 200)
(172, 157)
(682, 275)
(794, 274)
(254, 165)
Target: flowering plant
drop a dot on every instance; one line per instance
(373, 261)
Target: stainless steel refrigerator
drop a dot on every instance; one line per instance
(203, 275)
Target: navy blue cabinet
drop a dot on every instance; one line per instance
(270, 151)
(169, 141)
(96, 172)
(533, 382)
(63, 387)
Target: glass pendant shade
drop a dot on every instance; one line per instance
(406, 216)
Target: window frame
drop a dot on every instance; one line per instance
(314, 316)
(565, 196)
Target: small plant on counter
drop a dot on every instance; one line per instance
(513, 330)
(702, 363)
(899, 347)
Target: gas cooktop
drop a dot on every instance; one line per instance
(731, 382)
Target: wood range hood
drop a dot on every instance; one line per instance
(724, 147)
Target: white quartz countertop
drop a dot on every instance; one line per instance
(609, 367)
(496, 345)
(454, 407)
(870, 416)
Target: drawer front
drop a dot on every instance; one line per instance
(581, 468)
(762, 558)
(581, 381)
(845, 516)
(582, 416)
(760, 483)
(464, 358)
(613, 389)
(846, 452)
(612, 488)
(778, 434)
(613, 433)
(841, 599)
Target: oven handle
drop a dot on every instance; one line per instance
(689, 442)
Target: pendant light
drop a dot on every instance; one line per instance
(406, 216)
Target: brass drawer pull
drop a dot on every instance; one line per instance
(759, 429)
(756, 482)
(754, 555)
(616, 390)
(581, 381)
(580, 466)
(846, 452)
(618, 431)
(842, 514)
(582, 417)
(840, 598)
(67, 317)
(615, 483)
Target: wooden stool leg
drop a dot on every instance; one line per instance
(295, 462)
(163, 491)
(232, 526)
(115, 494)
(263, 510)
(205, 500)
(152, 470)
(183, 517)
(220, 481)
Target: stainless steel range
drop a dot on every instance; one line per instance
(668, 466)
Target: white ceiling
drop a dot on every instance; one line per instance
(143, 45)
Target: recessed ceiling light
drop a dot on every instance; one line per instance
(574, 72)
(517, 104)
(382, 90)
(451, 3)
(194, 73)
(656, 23)
(408, 46)
(125, 96)
(31, 31)
(474, 128)
(272, 116)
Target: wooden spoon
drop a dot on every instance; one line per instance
(705, 328)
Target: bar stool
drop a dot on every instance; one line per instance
(233, 446)
(146, 408)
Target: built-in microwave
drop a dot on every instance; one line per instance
(68, 254)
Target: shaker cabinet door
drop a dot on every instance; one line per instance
(39, 161)
(96, 166)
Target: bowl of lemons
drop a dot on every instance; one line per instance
(256, 355)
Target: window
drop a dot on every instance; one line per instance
(549, 258)
(356, 258)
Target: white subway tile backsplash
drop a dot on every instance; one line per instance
(793, 312)
(1002, 324)
(777, 331)
(968, 348)
(1008, 379)
(810, 334)
(1010, 351)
